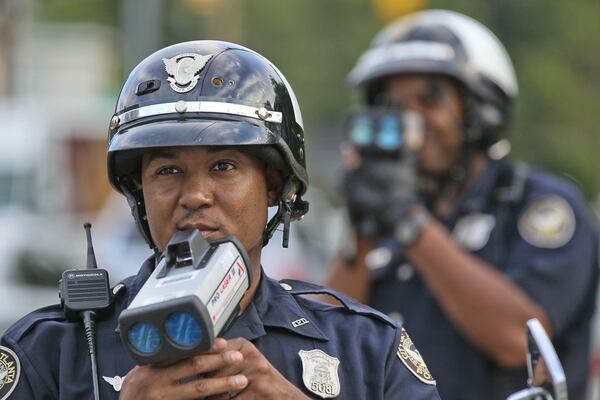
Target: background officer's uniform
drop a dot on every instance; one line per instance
(532, 226)
(368, 346)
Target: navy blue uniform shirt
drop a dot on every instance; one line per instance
(544, 241)
(375, 358)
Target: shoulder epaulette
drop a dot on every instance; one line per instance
(299, 288)
(28, 322)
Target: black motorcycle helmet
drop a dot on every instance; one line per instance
(208, 93)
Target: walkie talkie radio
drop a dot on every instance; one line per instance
(192, 297)
(84, 295)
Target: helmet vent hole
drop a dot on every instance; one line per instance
(148, 87)
(217, 81)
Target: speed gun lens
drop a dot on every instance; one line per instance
(183, 328)
(361, 131)
(144, 337)
(389, 136)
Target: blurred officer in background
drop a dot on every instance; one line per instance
(453, 238)
(208, 135)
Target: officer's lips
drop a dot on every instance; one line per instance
(205, 230)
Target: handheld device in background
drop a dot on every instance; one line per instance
(546, 377)
(385, 131)
(192, 297)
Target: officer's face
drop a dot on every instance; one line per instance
(219, 191)
(438, 100)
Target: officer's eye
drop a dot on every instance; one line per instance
(170, 170)
(222, 166)
(433, 95)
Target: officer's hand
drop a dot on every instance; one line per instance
(174, 383)
(379, 193)
(264, 381)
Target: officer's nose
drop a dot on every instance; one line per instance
(196, 192)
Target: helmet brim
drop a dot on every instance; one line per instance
(127, 147)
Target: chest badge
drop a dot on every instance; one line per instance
(410, 356)
(320, 373)
(115, 382)
(183, 70)
(473, 231)
(10, 368)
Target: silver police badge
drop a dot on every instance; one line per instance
(473, 230)
(320, 373)
(10, 368)
(183, 70)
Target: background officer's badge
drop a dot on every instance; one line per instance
(320, 373)
(410, 356)
(548, 222)
(183, 70)
(10, 368)
(473, 231)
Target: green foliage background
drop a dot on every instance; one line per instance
(553, 44)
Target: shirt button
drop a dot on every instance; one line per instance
(395, 315)
(405, 272)
(285, 286)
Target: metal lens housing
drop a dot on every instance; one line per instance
(144, 337)
(183, 328)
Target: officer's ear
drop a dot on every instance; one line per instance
(274, 185)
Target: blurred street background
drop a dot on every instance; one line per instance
(62, 63)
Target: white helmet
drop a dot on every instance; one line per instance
(451, 44)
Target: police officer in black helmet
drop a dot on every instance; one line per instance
(453, 238)
(207, 135)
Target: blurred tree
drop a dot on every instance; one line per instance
(557, 123)
(316, 42)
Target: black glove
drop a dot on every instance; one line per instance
(380, 193)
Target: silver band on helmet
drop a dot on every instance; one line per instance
(215, 107)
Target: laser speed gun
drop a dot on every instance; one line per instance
(192, 296)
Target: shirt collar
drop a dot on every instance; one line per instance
(477, 197)
(141, 278)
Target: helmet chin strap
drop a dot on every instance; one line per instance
(449, 185)
(290, 208)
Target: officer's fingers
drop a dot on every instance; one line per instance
(143, 383)
(350, 156)
(205, 363)
(254, 364)
(210, 387)
(218, 346)
(242, 345)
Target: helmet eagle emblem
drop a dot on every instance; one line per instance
(183, 70)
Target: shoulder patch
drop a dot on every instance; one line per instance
(10, 369)
(410, 356)
(548, 222)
